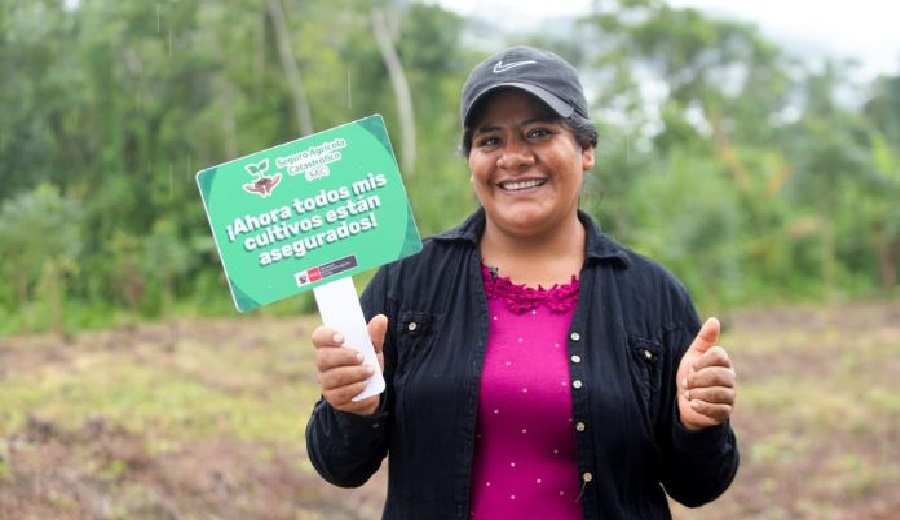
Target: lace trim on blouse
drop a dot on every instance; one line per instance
(521, 299)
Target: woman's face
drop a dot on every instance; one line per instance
(527, 167)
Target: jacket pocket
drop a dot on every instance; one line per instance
(415, 339)
(646, 370)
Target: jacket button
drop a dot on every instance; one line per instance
(587, 477)
(579, 426)
(412, 325)
(575, 336)
(576, 384)
(648, 354)
(575, 359)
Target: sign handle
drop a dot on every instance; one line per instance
(340, 310)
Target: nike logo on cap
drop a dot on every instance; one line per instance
(503, 67)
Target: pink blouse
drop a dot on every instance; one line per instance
(525, 464)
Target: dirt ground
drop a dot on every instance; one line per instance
(818, 421)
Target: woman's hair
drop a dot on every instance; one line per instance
(584, 130)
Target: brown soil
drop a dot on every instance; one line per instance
(103, 471)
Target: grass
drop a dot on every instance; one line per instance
(818, 414)
(818, 419)
(232, 387)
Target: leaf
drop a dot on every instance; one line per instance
(884, 157)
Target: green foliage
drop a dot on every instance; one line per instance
(37, 267)
(25, 223)
(720, 156)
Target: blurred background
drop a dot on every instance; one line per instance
(752, 148)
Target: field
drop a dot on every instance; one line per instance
(203, 420)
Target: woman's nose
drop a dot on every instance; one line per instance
(515, 154)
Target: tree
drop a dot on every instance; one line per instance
(41, 235)
(383, 29)
(882, 112)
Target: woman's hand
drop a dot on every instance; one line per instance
(705, 381)
(341, 372)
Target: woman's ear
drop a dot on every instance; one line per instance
(587, 158)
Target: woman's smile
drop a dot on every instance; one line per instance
(522, 185)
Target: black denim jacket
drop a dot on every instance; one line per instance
(631, 327)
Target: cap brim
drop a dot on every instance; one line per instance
(551, 100)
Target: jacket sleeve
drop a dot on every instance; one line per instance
(697, 467)
(347, 449)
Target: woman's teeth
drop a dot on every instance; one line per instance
(521, 185)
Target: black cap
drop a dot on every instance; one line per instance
(541, 73)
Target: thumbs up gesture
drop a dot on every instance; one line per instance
(705, 380)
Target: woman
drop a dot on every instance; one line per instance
(535, 368)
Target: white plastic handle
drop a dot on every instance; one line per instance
(340, 310)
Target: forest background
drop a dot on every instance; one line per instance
(757, 177)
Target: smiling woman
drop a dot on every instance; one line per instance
(535, 368)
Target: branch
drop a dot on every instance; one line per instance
(401, 90)
(289, 64)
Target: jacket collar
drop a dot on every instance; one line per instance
(598, 246)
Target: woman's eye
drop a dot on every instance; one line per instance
(488, 141)
(537, 133)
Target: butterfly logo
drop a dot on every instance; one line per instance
(263, 185)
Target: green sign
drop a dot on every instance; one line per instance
(308, 212)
